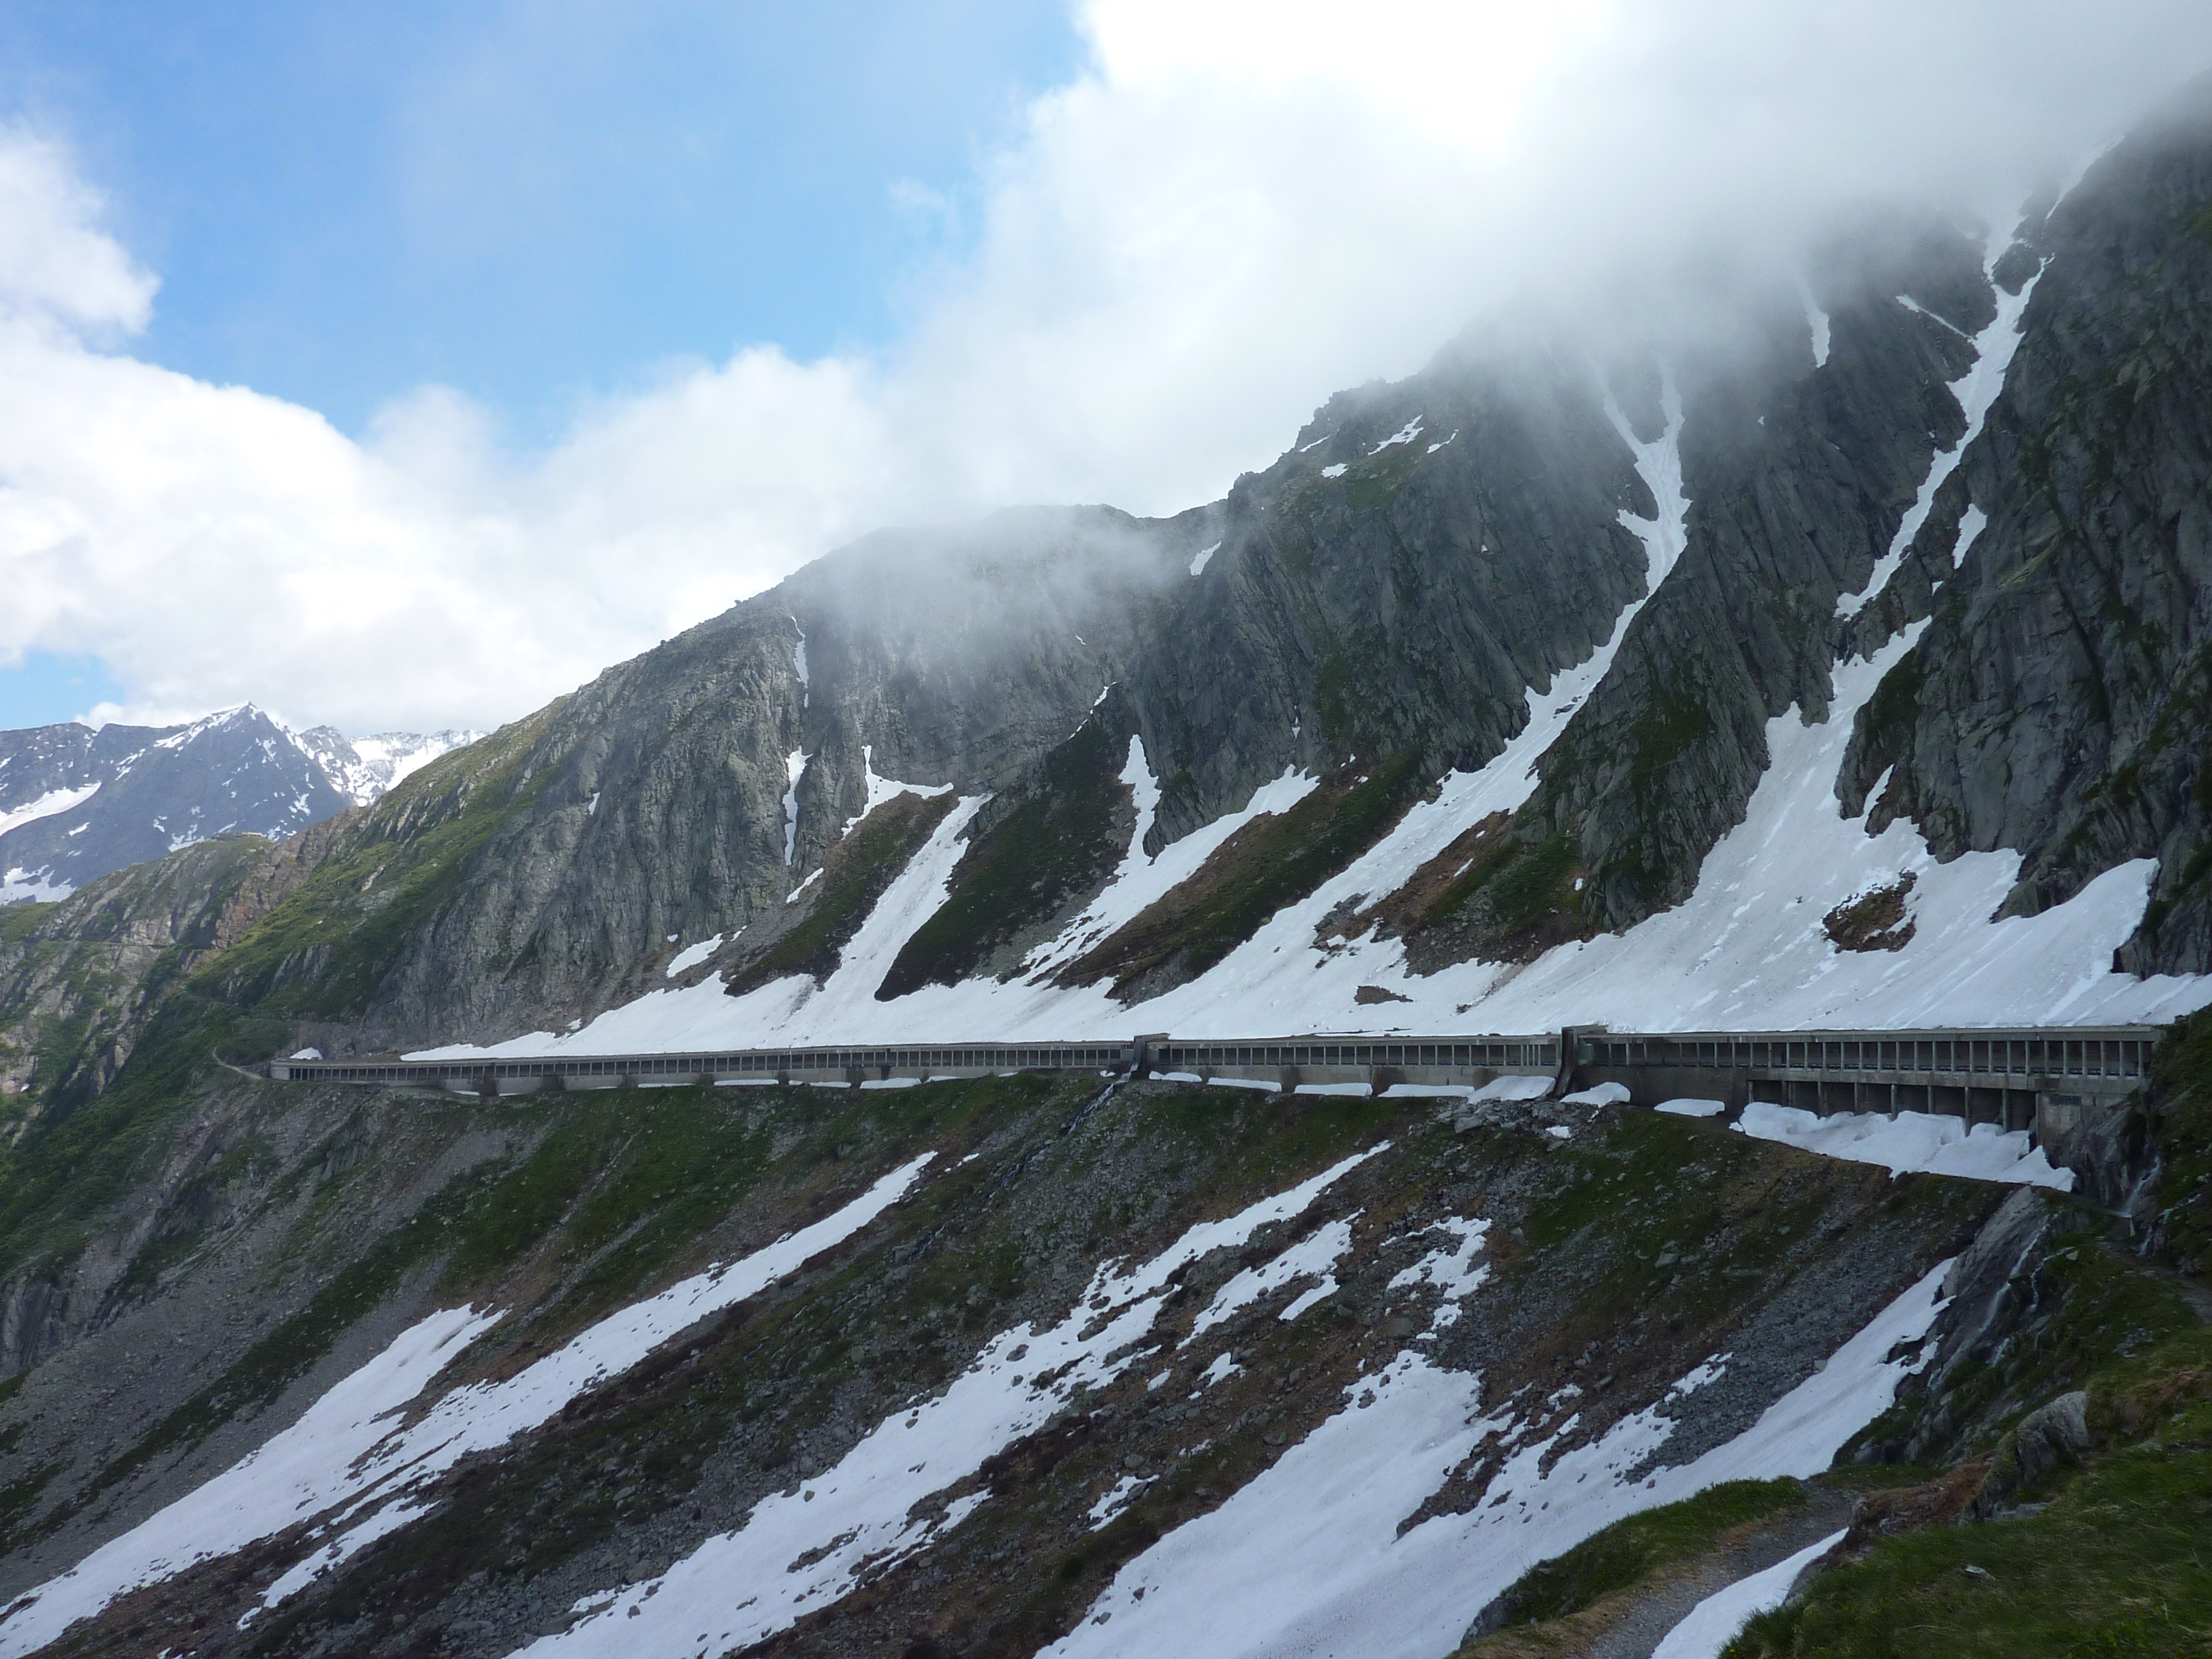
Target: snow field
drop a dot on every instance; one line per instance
(801, 1550)
(1307, 1561)
(349, 1453)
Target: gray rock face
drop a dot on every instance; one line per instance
(2057, 702)
(1405, 604)
(133, 794)
(2053, 1434)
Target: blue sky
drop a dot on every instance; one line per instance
(530, 202)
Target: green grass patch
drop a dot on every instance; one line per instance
(2115, 1568)
(17, 921)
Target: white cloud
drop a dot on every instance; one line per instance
(1235, 209)
(56, 263)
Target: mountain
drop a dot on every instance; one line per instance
(76, 803)
(1552, 683)
(1788, 648)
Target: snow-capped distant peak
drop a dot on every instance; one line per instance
(363, 769)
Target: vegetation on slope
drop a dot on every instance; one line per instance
(585, 1201)
(324, 952)
(1630, 1553)
(1057, 844)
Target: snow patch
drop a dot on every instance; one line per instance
(1911, 1140)
(1452, 1269)
(1971, 522)
(1404, 434)
(1713, 1622)
(1602, 1094)
(794, 769)
(36, 887)
(1197, 566)
(1311, 1257)
(1118, 1499)
(1817, 320)
(53, 801)
(691, 956)
(1977, 391)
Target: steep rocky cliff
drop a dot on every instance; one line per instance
(1694, 523)
(2057, 702)
(80, 979)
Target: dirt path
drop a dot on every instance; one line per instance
(2197, 1296)
(1645, 1624)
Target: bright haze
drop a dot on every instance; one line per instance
(1147, 240)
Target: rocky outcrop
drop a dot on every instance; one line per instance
(1797, 475)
